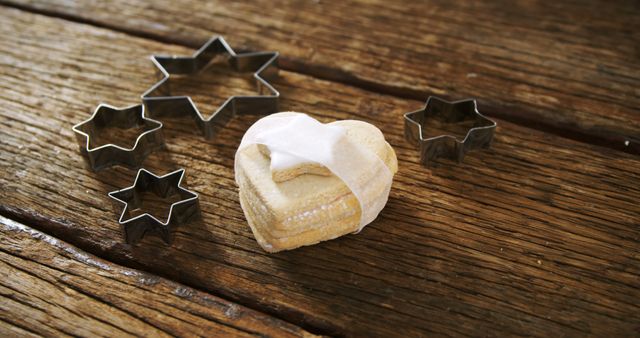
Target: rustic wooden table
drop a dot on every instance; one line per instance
(538, 236)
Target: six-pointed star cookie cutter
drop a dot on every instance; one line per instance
(448, 146)
(106, 155)
(264, 65)
(182, 211)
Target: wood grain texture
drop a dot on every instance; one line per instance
(51, 288)
(538, 236)
(570, 68)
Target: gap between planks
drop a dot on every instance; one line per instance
(164, 306)
(38, 223)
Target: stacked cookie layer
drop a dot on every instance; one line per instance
(306, 204)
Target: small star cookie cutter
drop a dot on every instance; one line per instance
(448, 146)
(112, 154)
(180, 212)
(264, 65)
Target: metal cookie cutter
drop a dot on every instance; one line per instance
(264, 65)
(110, 154)
(182, 211)
(479, 136)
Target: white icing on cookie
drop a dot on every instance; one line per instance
(300, 131)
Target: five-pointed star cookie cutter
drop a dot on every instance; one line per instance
(264, 65)
(106, 155)
(448, 146)
(184, 210)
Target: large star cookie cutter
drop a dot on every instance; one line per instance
(160, 102)
(103, 156)
(479, 135)
(182, 211)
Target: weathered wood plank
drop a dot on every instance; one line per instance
(537, 236)
(54, 289)
(566, 67)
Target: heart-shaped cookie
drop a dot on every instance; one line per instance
(302, 182)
